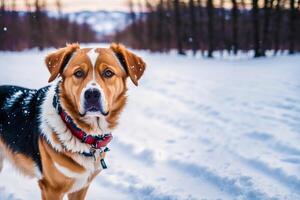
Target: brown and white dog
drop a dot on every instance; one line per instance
(59, 133)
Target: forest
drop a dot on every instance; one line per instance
(210, 25)
(34, 27)
(200, 26)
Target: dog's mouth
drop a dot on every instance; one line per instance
(94, 110)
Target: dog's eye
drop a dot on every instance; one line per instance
(79, 74)
(108, 73)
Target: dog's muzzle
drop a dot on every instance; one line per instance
(92, 101)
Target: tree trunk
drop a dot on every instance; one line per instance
(223, 27)
(141, 26)
(210, 13)
(178, 28)
(277, 27)
(268, 4)
(234, 26)
(255, 20)
(2, 25)
(168, 35)
(160, 28)
(133, 26)
(292, 27)
(150, 26)
(200, 27)
(194, 39)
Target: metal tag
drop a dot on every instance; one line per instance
(103, 164)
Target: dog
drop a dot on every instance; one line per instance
(59, 134)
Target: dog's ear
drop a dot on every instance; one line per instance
(57, 60)
(133, 64)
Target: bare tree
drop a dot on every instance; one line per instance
(194, 38)
(256, 29)
(37, 23)
(150, 25)
(133, 22)
(168, 24)
(223, 25)
(200, 26)
(210, 14)
(2, 24)
(268, 5)
(178, 28)
(278, 26)
(234, 14)
(292, 27)
(141, 24)
(160, 26)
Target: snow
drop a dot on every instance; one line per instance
(194, 128)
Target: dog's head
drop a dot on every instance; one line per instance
(94, 80)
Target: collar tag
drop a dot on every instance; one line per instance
(103, 164)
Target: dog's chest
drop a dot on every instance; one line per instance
(81, 180)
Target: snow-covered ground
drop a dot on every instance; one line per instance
(193, 129)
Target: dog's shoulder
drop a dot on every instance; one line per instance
(19, 120)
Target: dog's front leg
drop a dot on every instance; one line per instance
(79, 195)
(1, 160)
(50, 193)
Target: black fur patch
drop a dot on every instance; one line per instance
(122, 60)
(65, 61)
(19, 120)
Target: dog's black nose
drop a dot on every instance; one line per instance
(92, 95)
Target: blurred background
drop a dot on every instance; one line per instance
(216, 114)
(202, 26)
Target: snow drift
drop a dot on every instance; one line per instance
(193, 129)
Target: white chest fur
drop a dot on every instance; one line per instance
(81, 179)
(50, 123)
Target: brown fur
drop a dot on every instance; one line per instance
(80, 195)
(55, 184)
(23, 163)
(53, 62)
(114, 88)
(135, 66)
(1, 160)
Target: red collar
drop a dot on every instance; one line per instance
(96, 142)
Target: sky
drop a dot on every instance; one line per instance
(93, 5)
(75, 5)
(79, 5)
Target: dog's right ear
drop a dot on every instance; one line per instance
(134, 65)
(57, 60)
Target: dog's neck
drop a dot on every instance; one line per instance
(97, 123)
(93, 125)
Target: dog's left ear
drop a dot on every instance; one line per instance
(133, 64)
(58, 60)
